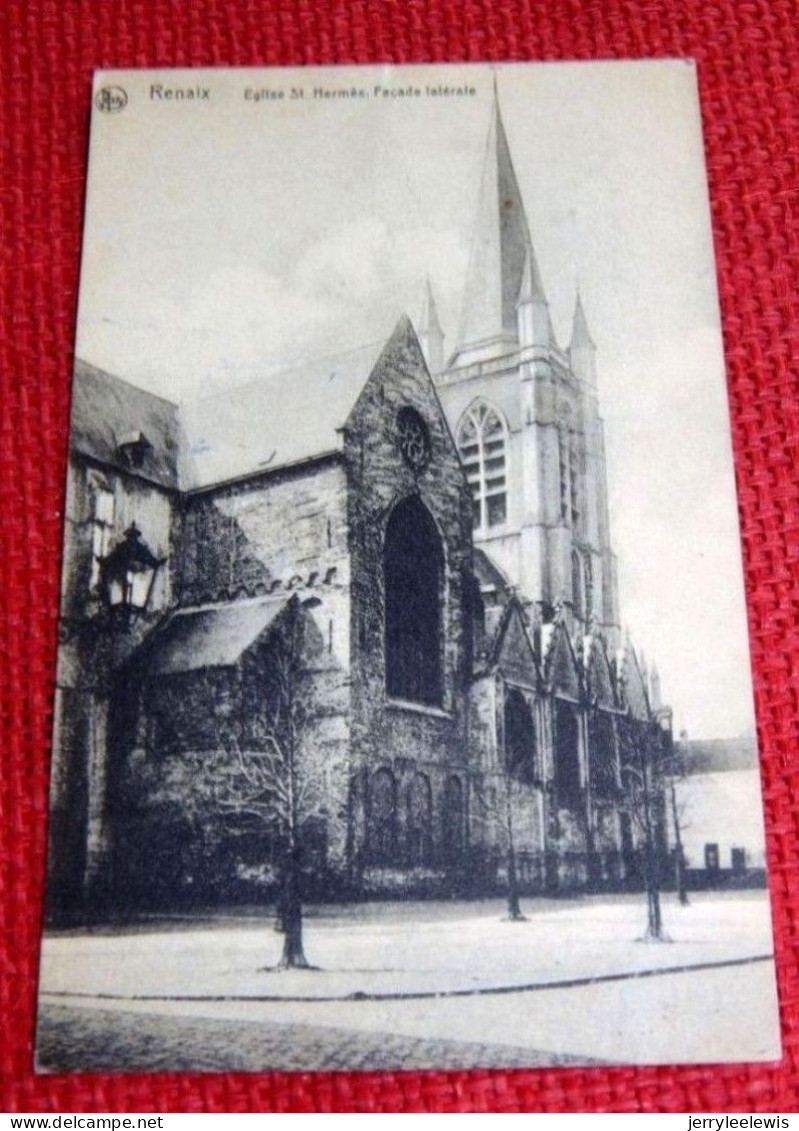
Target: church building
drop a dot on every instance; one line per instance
(394, 565)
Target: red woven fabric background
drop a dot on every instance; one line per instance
(747, 55)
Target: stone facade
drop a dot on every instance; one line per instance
(458, 700)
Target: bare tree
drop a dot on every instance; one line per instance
(500, 814)
(276, 777)
(674, 770)
(515, 780)
(642, 769)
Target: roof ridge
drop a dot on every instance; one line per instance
(292, 367)
(99, 371)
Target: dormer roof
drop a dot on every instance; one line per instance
(108, 414)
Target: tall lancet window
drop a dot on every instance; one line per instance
(413, 571)
(575, 478)
(563, 470)
(577, 585)
(482, 443)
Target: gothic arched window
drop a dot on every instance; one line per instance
(601, 753)
(588, 575)
(567, 755)
(570, 472)
(420, 820)
(413, 568)
(563, 470)
(453, 818)
(383, 817)
(358, 828)
(519, 737)
(482, 442)
(575, 479)
(577, 585)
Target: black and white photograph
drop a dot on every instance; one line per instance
(404, 714)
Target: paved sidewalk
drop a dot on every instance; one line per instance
(417, 985)
(456, 948)
(71, 1038)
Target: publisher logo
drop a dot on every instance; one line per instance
(111, 99)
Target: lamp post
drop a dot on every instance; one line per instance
(127, 576)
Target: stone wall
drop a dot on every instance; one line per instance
(178, 759)
(284, 532)
(406, 738)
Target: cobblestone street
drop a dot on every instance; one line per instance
(69, 1038)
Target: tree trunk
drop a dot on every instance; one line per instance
(514, 909)
(293, 956)
(682, 887)
(654, 918)
(654, 929)
(679, 855)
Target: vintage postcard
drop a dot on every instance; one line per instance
(403, 714)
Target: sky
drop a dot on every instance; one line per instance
(231, 235)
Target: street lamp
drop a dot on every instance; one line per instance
(128, 574)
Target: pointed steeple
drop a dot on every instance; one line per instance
(582, 350)
(534, 324)
(501, 246)
(580, 333)
(431, 336)
(655, 699)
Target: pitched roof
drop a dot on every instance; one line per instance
(634, 685)
(501, 246)
(512, 650)
(560, 662)
(280, 419)
(283, 418)
(715, 755)
(599, 673)
(107, 412)
(213, 637)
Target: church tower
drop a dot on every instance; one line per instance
(525, 415)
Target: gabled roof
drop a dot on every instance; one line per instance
(281, 419)
(214, 637)
(633, 685)
(512, 650)
(599, 674)
(561, 669)
(501, 245)
(107, 412)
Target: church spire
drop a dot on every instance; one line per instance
(501, 247)
(655, 700)
(533, 321)
(431, 336)
(534, 325)
(582, 350)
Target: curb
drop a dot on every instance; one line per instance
(420, 995)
